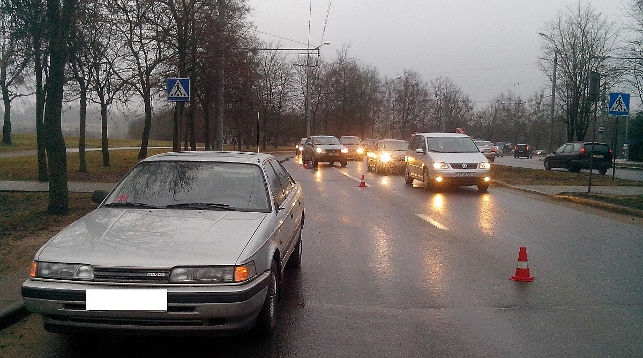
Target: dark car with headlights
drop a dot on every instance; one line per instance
(387, 156)
(186, 242)
(575, 156)
(354, 146)
(324, 148)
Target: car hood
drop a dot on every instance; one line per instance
(155, 238)
(474, 157)
(330, 146)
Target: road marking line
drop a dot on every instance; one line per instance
(352, 177)
(432, 222)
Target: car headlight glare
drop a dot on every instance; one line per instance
(320, 150)
(385, 157)
(360, 150)
(440, 165)
(62, 271)
(344, 150)
(213, 274)
(485, 165)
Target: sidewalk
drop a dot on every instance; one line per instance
(11, 305)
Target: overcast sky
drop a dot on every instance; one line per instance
(487, 47)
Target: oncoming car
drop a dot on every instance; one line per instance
(354, 146)
(387, 156)
(324, 148)
(186, 242)
(442, 159)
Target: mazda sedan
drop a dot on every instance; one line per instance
(186, 242)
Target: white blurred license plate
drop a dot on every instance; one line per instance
(597, 156)
(465, 174)
(126, 299)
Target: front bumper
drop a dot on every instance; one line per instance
(460, 177)
(190, 308)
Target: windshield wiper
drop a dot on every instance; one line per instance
(201, 206)
(132, 205)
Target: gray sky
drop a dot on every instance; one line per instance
(487, 47)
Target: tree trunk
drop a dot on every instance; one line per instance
(104, 139)
(59, 25)
(145, 138)
(40, 112)
(6, 127)
(82, 157)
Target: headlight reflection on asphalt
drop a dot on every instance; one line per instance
(486, 218)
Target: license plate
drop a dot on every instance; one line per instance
(600, 156)
(465, 174)
(126, 300)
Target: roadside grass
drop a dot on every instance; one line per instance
(21, 142)
(527, 176)
(25, 225)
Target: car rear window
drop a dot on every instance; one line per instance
(598, 148)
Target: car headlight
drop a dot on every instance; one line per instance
(440, 165)
(213, 274)
(485, 165)
(360, 150)
(385, 157)
(319, 150)
(62, 271)
(344, 150)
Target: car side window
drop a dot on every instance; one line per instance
(276, 190)
(286, 181)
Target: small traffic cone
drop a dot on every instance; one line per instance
(522, 270)
(362, 183)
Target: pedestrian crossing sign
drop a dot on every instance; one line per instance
(619, 104)
(178, 89)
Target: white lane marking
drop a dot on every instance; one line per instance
(432, 222)
(356, 179)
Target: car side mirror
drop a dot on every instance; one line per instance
(98, 196)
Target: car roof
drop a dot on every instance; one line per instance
(209, 156)
(392, 140)
(322, 136)
(440, 134)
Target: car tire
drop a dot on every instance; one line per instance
(330, 164)
(315, 163)
(426, 180)
(407, 177)
(294, 261)
(547, 165)
(602, 171)
(483, 187)
(343, 163)
(267, 319)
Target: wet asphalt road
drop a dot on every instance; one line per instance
(391, 270)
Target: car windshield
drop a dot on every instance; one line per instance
(393, 145)
(193, 185)
(325, 140)
(350, 140)
(451, 145)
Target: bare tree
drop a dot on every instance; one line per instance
(13, 63)
(581, 39)
(633, 54)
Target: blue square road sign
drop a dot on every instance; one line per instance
(178, 89)
(619, 104)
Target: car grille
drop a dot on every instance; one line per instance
(464, 165)
(333, 151)
(126, 274)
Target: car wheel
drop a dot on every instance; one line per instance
(295, 258)
(407, 177)
(315, 163)
(483, 187)
(602, 171)
(368, 166)
(331, 163)
(267, 319)
(426, 180)
(547, 165)
(344, 164)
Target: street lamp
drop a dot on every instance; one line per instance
(552, 109)
(308, 67)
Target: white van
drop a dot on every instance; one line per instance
(443, 159)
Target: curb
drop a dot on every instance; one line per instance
(14, 312)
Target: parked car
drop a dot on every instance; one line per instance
(354, 146)
(522, 151)
(186, 242)
(324, 148)
(299, 147)
(486, 148)
(387, 156)
(440, 159)
(575, 156)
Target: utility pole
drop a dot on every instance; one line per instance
(552, 110)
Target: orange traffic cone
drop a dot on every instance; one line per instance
(362, 184)
(522, 270)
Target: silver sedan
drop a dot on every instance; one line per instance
(194, 241)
